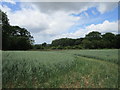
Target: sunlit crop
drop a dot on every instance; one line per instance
(65, 69)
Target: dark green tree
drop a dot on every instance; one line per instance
(44, 44)
(14, 37)
(109, 40)
(78, 41)
(94, 35)
(92, 40)
(117, 41)
(5, 31)
(63, 42)
(87, 44)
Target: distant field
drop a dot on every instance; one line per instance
(60, 69)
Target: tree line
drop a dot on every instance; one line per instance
(93, 40)
(17, 38)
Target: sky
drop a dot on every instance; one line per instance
(47, 21)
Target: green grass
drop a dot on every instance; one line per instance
(64, 69)
(27, 69)
(110, 55)
(91, 73)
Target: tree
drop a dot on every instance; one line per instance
(78, 41)
(5, 31)
(109, 39)
(92, 40)
(15, 37)
(117, 41)
(108, 36)
(94, 35)
(63, 42)
(44, 44)
(87, 44)
(4, 18)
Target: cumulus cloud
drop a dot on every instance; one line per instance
(29, 18)
(48, 21)
(41, 25)
(104, 27)
(37, 21)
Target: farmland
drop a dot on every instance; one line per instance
(60, 69)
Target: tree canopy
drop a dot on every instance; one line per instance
(94, 35)
(93, 40)
(15, 37)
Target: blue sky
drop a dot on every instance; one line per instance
(48, 21)
(14, 7)
(96, 18)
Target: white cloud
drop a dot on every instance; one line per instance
(42, 25)
(104, 7)
(5, 8)
(106, 26)
(37, 21)
(77, 34)
(32, 19)
(9, 1)
(52, 20)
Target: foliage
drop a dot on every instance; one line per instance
(44, 44)
(63, 42)
(93, 40)
(94, 35)
(14, 37)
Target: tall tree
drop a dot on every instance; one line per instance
(14, 37)
(5, 31)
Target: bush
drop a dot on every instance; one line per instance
(53, 47)
(59, 47)
(67, 47)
